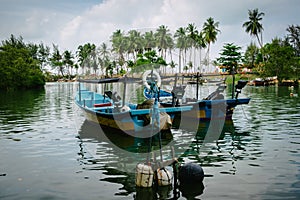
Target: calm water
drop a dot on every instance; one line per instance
(48, 150)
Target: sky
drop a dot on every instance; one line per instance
(70, 23)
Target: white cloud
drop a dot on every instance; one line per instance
(71, 23)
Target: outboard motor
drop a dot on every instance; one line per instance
(240, 85)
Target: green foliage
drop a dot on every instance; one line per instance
(253, 26)
(148, 60)
(122, 71)
(294, 37)
(210, 30)
(281, 60)
(57, 60)
(252, 56)
(230, 56)
(19, 68)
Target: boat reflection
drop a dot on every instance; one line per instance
(205, 127)
(122, 141)
(116, 156)
(224, 152)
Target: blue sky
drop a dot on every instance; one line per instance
(69, 23)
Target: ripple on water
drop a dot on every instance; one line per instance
(262, 154)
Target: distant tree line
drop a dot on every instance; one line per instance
(280, 57)
(19, 65)
(33, 64)
(30, 65)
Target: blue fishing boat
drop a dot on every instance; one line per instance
(148, 94)
(107, 110)
(161, 108)
(212, 107)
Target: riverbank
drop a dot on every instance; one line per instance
(253, 77)
(228, 78)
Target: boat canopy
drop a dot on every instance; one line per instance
(110, 80)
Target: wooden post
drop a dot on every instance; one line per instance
(79, 92)
(233, 80)
(197, 92)
(124, 92)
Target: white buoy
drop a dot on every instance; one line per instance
(164, 177)
(144, 175)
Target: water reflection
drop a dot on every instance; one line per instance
(238, 152)
(256, 157)
(18, 109)
(227, 149)
(17, 105)
(117, 155)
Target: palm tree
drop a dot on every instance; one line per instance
(134, 43)
(253, 26)
(164, 40)
(83, 53)
(149, 41)
(210, 31)
(68, 61)
(43, 55)
(56, 60)
(251, 55)
(190, 65)
(172, 65)
(171, 46)
(192, 38)
(186, 68)
(200, 44)
(119, 46)
(294, 37)
(104, 54)
(180, 34)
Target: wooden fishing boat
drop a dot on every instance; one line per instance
(203, 109)
(108, 112)
(212, 107)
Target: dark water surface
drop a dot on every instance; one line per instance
(48, 151)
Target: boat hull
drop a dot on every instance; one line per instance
(131, 120)
(205, 110)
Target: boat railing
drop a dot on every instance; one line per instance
(166, 110)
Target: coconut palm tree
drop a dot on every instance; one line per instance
(294, 37)
(68, 61)
(119, 46)
(83, 53)
(104, 54)
(149, 41)
(192, 40)
(190, 65)
(134, 44)
(210, 32)
(164, 40)
(56, 60)
(186, 68)
(43, 55)
(253, 26)
(200, 44)
(180, 36)
(172, 65)
(251, 55)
